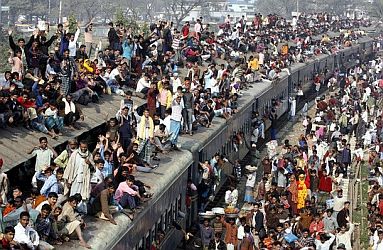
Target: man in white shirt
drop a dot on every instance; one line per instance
(72, 46)
(44, 155)
(51, 201)
(24, 234)
(378, 241)
(115, 72)
(241, 232)
(175, 81)
(175, 121)
(344, 237)
(143, 85)
(198, 28)
(324, 243)
(166, 120)
(339, 201)
(97, 177)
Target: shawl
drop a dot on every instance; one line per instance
(141, 128)
(293, 189)
(70, 172)
(69, 106)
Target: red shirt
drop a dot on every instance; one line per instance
(25, 104)
(185, 31)
(381, 207)
(325, 184)
(5, 244)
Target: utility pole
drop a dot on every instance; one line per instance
(60, 9)
(49, 11)
(297, 6)
(1, 12)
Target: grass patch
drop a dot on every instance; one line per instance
(360, 213)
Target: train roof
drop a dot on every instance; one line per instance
(104, 235)
(16, 142)
(205, 135)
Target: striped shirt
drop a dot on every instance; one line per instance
(176, 43)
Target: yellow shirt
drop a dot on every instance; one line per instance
(254, 65)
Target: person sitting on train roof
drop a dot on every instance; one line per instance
(101, 205)
(127, 195)
(7, 239)
(45, 226)
(51, 201)
(70, 223)
(25, 235)
(35, 198)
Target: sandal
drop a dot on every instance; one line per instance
(57, 242)
(65, 238)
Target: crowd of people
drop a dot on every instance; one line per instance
(187, 77)
(299, 202)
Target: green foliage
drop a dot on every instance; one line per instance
(4, 49)
(72, 24)
(144, 28)
(131, 23)
(120, 18)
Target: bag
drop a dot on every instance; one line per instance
(84, 99)
(290, 237)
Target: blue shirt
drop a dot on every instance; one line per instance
(108, 166)
(50, 184)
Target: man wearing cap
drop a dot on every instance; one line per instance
(77, 174)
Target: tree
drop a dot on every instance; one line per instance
(377, 9)
(280, 7)
(29, 8)
(180, 9)
(84, 10)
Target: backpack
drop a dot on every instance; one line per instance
(84, 99)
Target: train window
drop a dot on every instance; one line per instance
(148, 242)
(174, 210)
(139, 245)
(179, 203)
(163, 219)
(169, 216)
(159, 224)
(154, 233)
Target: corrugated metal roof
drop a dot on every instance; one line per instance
(16, 142)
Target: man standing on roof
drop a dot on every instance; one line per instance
(44, 155)
(145, 135)
(88, 37)
(175, 121)
(77, 174)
